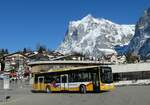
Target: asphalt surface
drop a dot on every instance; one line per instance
(127, 95)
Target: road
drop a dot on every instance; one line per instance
(127, 95)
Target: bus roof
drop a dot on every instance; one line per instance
(74, 68)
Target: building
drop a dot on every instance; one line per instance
(16, 64)
(44, 56)
(131, 73)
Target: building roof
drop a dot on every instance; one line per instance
(14, 54)
(73, 68)
(66, 62)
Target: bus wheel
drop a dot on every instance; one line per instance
(48, 90)
(82, 89)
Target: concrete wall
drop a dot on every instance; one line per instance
(130, 67)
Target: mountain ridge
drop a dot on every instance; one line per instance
(140, 43)
(95, 36)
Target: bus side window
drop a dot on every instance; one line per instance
(64, 79)
(57, 79)
(90, 76)
(76, 77)
(85, 76)
(80, 77)
(35, 79)
(47, 79)
(71, 77)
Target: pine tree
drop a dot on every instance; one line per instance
(6, 51)
(24, 50)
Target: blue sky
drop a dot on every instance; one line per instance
(25, 23)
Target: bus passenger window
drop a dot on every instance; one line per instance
(85, 77)
(64, 79)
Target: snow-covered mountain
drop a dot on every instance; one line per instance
(140, 43)
(95, 36)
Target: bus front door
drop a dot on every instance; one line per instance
(41, 83)
(64, 82)
(95, 82)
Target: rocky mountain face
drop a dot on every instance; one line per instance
(140, 43)
(95, 37)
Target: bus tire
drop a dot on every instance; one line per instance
(48, 89)
(83, 89)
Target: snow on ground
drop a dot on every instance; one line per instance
(108, 51)
(133, 82)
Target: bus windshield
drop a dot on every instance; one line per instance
(106, 75)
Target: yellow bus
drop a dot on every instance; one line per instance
(76, 79)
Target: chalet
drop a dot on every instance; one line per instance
(38, 57)
(16, 64)
(74, 57)
(121, 59)
(111, 58)
(44, 56)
